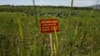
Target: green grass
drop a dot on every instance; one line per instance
(78, 35)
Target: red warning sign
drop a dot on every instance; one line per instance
(49, 25)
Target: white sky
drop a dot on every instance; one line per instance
(50, 2)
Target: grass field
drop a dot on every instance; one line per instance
(79, 34)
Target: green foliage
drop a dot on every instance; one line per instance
(78, 36)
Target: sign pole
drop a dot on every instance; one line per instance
(51, 44)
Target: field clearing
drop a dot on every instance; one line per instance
(78, 35)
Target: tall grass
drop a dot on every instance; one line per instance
(18, 35)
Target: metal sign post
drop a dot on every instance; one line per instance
(50, 35)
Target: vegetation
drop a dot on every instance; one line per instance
(79, 35)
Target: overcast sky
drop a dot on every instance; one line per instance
(50, 2)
